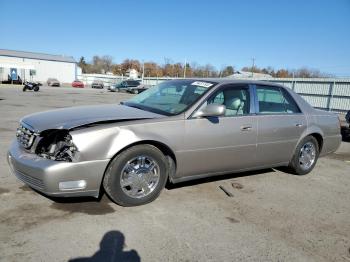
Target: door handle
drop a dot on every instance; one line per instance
(246, 128)
(298, 125)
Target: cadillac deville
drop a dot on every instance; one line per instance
(176, 131)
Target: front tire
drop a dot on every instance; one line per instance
(305, 156)
(136, 176)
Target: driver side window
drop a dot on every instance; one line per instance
(236, 99)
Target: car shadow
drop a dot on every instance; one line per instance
(199, 181)
(68, 200)
(86, 205)
(103, 204)
(111, 249)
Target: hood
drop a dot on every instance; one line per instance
(69, 118)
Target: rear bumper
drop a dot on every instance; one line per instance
(46, 175)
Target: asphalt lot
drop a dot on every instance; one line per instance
(272, 215)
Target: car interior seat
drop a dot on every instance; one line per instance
(234, 106)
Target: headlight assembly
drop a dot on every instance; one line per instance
(57, 145)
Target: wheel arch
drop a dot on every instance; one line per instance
(165, 149)
(314, 132)
(319, 139)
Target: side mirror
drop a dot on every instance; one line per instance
(210, 110)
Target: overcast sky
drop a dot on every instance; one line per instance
(279, 33)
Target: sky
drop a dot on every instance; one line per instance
(277, 33)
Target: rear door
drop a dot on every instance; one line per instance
(280, 125)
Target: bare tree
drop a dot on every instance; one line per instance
(226, 71)
(107, 62)
(128, 64)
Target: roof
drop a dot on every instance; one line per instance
(225, 80)
(40, 56)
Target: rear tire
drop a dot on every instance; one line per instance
(305, 156)
(136, 176)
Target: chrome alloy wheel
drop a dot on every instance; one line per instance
(307, 155)
(140, 176)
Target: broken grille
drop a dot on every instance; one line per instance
(25, 136)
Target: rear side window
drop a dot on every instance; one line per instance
(133, 83)
(274, 100)
(291, 105)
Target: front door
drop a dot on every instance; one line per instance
(221, 144)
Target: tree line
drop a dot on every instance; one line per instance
(104, 64)
(303, 72)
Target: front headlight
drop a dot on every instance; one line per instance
(57, 145)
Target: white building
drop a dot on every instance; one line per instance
(37, 66)
(249, 75)
(132, 73)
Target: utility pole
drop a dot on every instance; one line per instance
(143, 69)
(253, 60)
(185, 68)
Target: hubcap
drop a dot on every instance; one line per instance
(307, 155)
(140, 176)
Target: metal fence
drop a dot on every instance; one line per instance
(332, 94)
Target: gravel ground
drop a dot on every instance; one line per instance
(271, 216)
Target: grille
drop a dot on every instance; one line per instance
(25, 136)
(31, 181)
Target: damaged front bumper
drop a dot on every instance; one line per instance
(56, 178)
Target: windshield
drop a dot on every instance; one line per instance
(170, 97)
